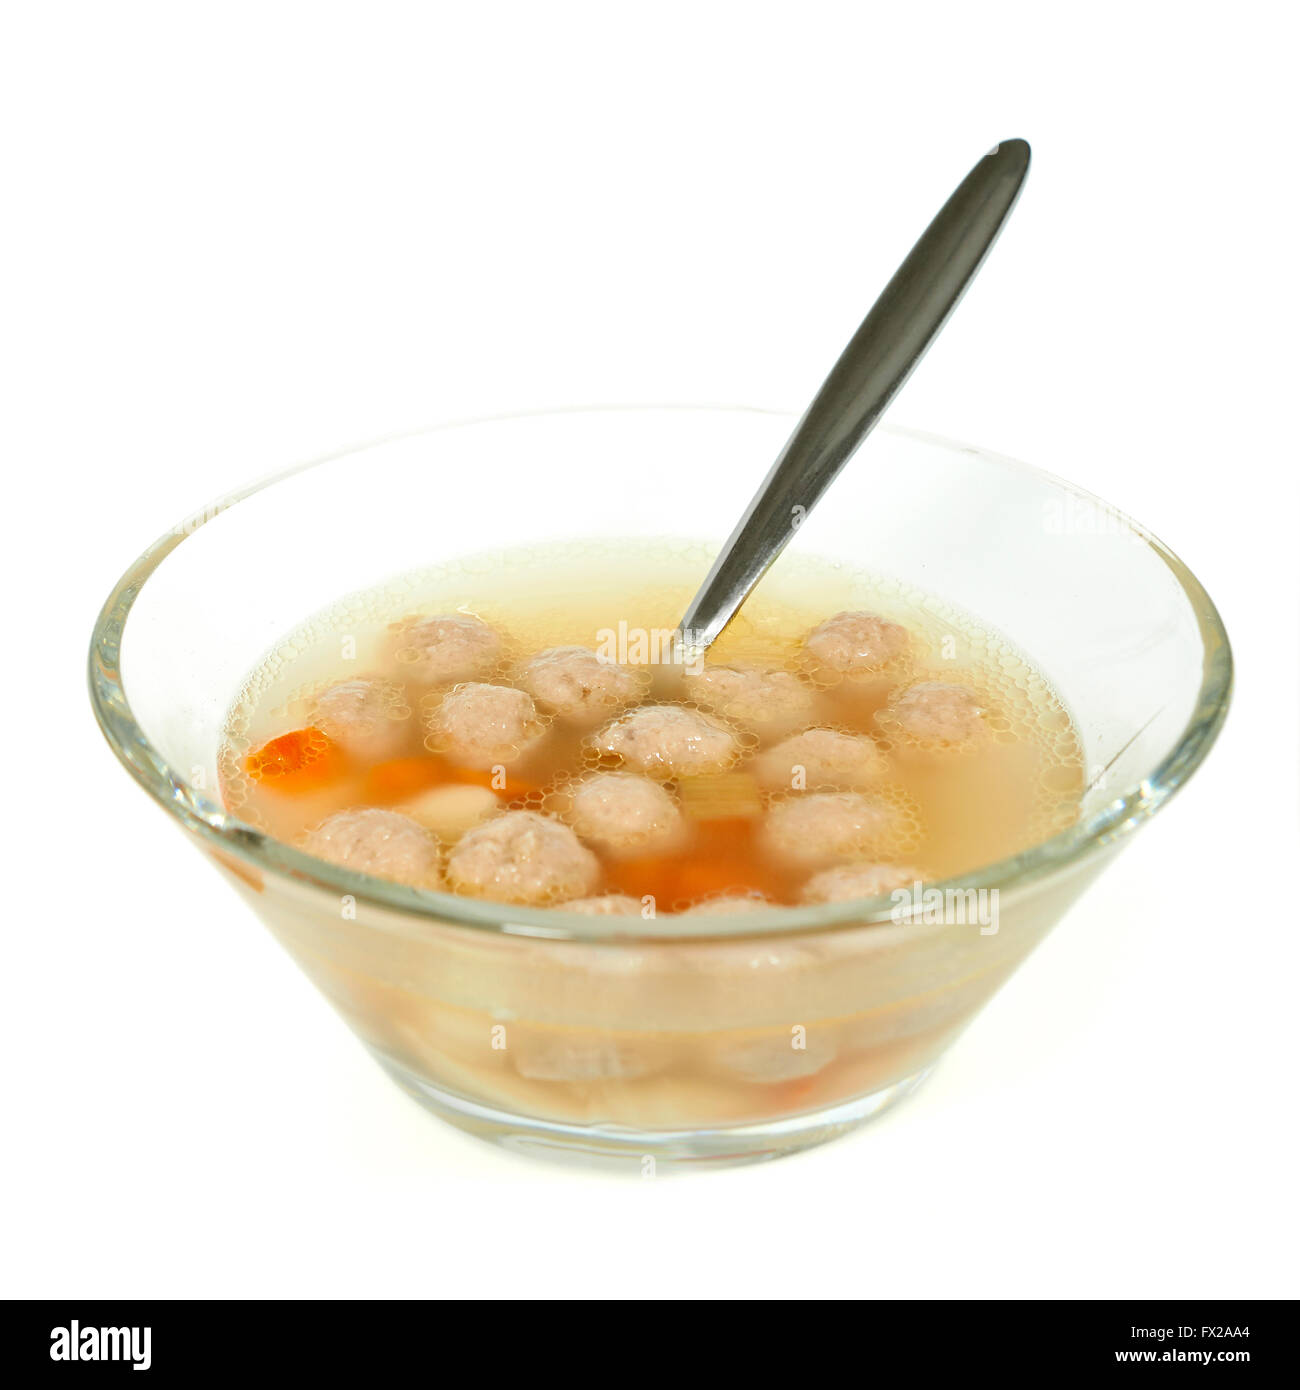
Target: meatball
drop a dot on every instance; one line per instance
(820, 758)
(384, 843)
(622, 812)
(522, 857)
(573, 1055)
(850, 643)
(669, 741)
(850, 881)
(450, 648)
(772, 1058)
(482, 725)
(580, 687)
(365, 717)
(763, 701)
(727, 905)
(826, 827)
(936, 712)
(739, 979)
(611, 905)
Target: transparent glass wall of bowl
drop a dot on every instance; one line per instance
(1097, 609)
(654, 1036)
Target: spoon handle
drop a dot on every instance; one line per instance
(893, 337)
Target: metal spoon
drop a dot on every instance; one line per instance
(893, 337)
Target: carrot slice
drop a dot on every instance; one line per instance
(723, 858)
(728, 857)
(401, 778)
(799, 1092)
(728, 835)
(303, 760)
(653, 876)
(512, 788)
(706, 878)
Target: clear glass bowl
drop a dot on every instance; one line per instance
(677, 1038)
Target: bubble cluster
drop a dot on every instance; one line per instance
(481, 725)
(814, 829)
(580, 647)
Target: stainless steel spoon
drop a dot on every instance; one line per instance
(893, 337)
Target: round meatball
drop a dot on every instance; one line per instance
(766, 702)
(583, 1055)
(480, 725)
(522, 857)
(386, 844)
(611, 905)
(621, 812)
(851, 643)
(826, 827)
(849, 881)
(580, 687)
(365, 717)
(669, 741)
(774, 1057)
(452, 647)
(727, 905)
(820, 758)
(937, 712)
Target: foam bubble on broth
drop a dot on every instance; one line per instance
(957, 808)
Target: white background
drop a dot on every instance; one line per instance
(238, 235)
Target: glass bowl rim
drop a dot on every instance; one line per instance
(227, 835)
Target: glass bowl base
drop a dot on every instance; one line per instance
(642, 1152)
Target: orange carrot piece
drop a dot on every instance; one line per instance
(728, 835)
(401, 778)
(722, 858)
(800, 1092)
(654, 876)
(509, 786)
(726, 857)
(706, 878)
(303, 760)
